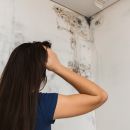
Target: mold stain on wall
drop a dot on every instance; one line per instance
(18, 33)
(11, 32)
(76, 26)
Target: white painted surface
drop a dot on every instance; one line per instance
(85, 7)
(112, 40)
(32, 20)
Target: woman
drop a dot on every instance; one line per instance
(23, 107)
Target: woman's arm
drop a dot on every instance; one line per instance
(91, 95)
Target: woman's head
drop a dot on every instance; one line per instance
(20, 83)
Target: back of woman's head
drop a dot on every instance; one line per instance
(19, 86)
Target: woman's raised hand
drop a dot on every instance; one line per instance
(52, 61)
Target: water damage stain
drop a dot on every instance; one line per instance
(77, 24)
(77, 27)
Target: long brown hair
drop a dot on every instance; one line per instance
(20, 84)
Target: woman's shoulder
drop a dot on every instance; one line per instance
(48, 96)
(48, 103)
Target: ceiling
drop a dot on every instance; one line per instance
(86, 7)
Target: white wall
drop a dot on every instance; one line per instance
(112, 39)
(29, 20)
